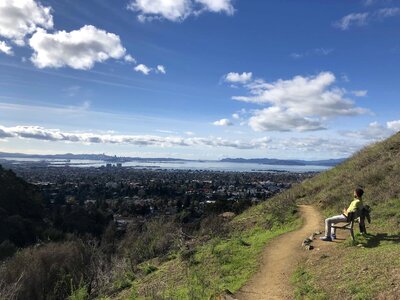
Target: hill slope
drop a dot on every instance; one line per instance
(20, 210)
(227, 261)
(376, 169)
(370, 270)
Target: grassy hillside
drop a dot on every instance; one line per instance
(369, 268)
(219, 260)
(160, 261)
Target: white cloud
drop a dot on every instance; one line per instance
(312, 52)
(173, 10)
(354, 19)
(223, 122)
(56, 135)
(375, 131)
(369, 2)
(236, 116)
(234, 77)
(78, 49)
(393, 125)
(143, 69)
(372, 2)
(387, 12)
(19, 18)
(362, 19)
(301, 103)
(129, 58)
(161, 69)
(335, 147)
(217, 6)
(177, 10)
(5, 48)
(345, 78)
(360, 93)
(277, 119)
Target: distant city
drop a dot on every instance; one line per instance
(119, 160)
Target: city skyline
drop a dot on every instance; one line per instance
(198, 79)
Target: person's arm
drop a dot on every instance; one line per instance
(345, 211)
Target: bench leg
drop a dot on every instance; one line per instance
(352, 234)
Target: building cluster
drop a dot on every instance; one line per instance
(126, 193)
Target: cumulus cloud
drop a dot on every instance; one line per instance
(159, 69)
(56, 135)
(302, 103)
(234, 77)
(393, 125)
(129, 58)
(5, 48)
(143, 69)
(78, 49)
(277, 119)
(223, 122)
(177, 10)
(217, 6)
(19, 18)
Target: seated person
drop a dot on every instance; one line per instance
(355, 206)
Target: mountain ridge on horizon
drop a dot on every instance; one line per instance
(110, 158)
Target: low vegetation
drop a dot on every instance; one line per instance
(221, 263)
(160, 259)
(370, 267)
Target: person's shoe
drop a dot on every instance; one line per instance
(333, 236)
(326, 238)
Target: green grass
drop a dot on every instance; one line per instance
(79, 294)
(348, 271)
(230, 263)
(306, 286)
(369, 268)
(218, 264)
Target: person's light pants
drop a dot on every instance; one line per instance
(333, 220)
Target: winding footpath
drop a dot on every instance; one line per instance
(279, 260)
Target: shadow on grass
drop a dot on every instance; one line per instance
(372, 240)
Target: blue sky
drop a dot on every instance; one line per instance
(200, 79)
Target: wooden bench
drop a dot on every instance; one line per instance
(349, 225)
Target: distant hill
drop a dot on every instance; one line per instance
(109, 158)
(286, 162)
(102, 157)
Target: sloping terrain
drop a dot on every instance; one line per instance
(366, 269)
(279, 260)
(370, 267)
(20, 212)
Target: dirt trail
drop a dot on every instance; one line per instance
(279, 260)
